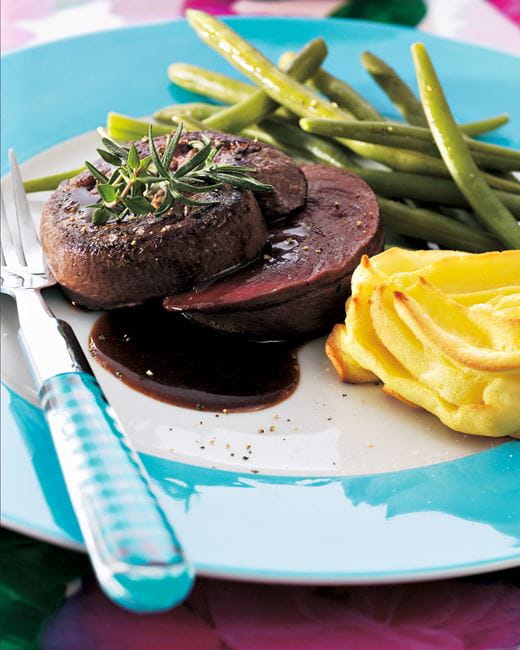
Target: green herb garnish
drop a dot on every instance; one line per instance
(139, 186)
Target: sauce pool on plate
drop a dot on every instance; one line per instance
(172, 359)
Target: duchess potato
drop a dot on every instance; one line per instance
(440, 330)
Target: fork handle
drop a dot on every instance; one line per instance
(136, 556)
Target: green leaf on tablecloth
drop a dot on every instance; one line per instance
(33, 579)
(409, 12)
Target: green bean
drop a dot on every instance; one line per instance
(421, 163)
(431, 226)
(198, 110)
(122, 127)
(285, 136)
(210, 84)
(289, 137)
(253, 64)
(47, 183)
(319, 149)
(337, 91)
(214, 85)
(494, 162)
(378, 132)
(293, 141)
(463, 216)
(485, 125)
(429, 189)
(301, 100)
(397, 90)
(367, 112)
(344, 95)
(455, 153)
(411, 137)
(189, 123)
(501, 183)
(258, 105)
(410, 107)
(477, 146)
(256, 132)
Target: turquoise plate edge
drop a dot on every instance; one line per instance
(215, 511)
(478, 495)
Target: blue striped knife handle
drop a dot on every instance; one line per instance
(134, 550)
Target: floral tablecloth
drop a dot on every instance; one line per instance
(494, 23)
(478, 613)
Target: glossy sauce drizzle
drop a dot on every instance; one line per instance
(174, 360)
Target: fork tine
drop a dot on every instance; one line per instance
(9, 253)
(30, 243)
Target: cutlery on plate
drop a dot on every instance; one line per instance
(136, 555)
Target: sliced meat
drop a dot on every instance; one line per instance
(300, 285)
(121, 264)
(272, 166)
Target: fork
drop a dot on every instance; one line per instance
(135, 553)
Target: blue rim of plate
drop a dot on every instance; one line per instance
(453, 518)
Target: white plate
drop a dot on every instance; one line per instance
(351, 486)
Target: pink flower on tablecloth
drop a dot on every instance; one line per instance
(309, 8)
(511, 8)
(13, 11)
(452, 615)
(266, 7)
(449, 615)
(217, 7)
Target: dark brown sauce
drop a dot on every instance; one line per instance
(174, 360)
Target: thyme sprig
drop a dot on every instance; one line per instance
(138, 186)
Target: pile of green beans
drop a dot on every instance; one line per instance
(417, 138)
(419, 150)
(433, 180)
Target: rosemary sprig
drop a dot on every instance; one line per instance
(139, 186)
